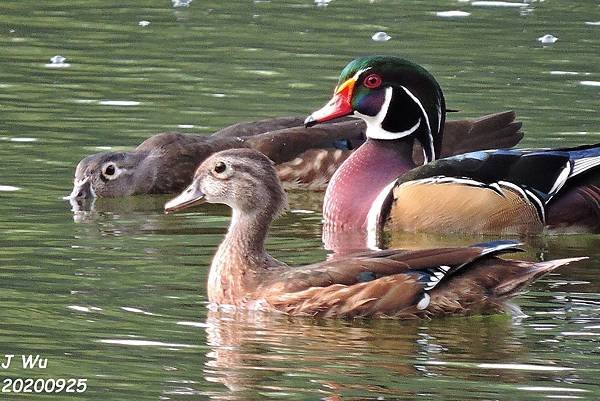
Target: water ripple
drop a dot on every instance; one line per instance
(146, 343)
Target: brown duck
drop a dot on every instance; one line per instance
(389, 283)
(306, 159)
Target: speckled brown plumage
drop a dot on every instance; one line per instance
(387, 284)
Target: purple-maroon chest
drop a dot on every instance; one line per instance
(358, 181)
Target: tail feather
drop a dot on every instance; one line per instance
(509, 288)
(492, 122)
(493, 131)
(505, 137)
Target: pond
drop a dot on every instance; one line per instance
(117, 295)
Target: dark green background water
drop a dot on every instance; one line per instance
(117, 295)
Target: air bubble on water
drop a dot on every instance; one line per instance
(381, 37)
(497, 4)
(524, 12)
(547, 39)
(119, 103)
(452, 14)
(181, 3)
(57, 61)
(322, 3)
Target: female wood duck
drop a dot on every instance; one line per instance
(390, 283)
(164, 163)
(499, 191)
(306, 159)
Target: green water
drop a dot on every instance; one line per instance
(117, 295)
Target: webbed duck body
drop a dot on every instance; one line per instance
(389, 283)
(498, 191)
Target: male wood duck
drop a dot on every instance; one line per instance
(306, 159)
(499, 191)
(389, 283)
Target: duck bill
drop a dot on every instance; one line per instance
(191, 196)
(339, 106)
(82, 189)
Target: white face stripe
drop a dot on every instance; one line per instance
(359, 72)
(374, 128)
(418, 102)
(354, 77)
(376, 131)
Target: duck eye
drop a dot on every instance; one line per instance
(372, 81)
(220, 167)
(109, 170)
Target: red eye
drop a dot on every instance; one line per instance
(372, 81)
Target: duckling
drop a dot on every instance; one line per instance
(306, 159)
(386, 283)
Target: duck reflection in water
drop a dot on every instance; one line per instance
(90, 210)
(334, 358)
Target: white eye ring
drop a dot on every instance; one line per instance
(110, 171)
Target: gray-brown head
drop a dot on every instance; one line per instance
(109, 175)
(243, 179)
(163, 163)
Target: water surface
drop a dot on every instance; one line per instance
(117, 295)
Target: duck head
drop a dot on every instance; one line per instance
(109, 175)
(243, 179)
(395, 97)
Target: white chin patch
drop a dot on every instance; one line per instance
(378, 132)
(374, 128)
